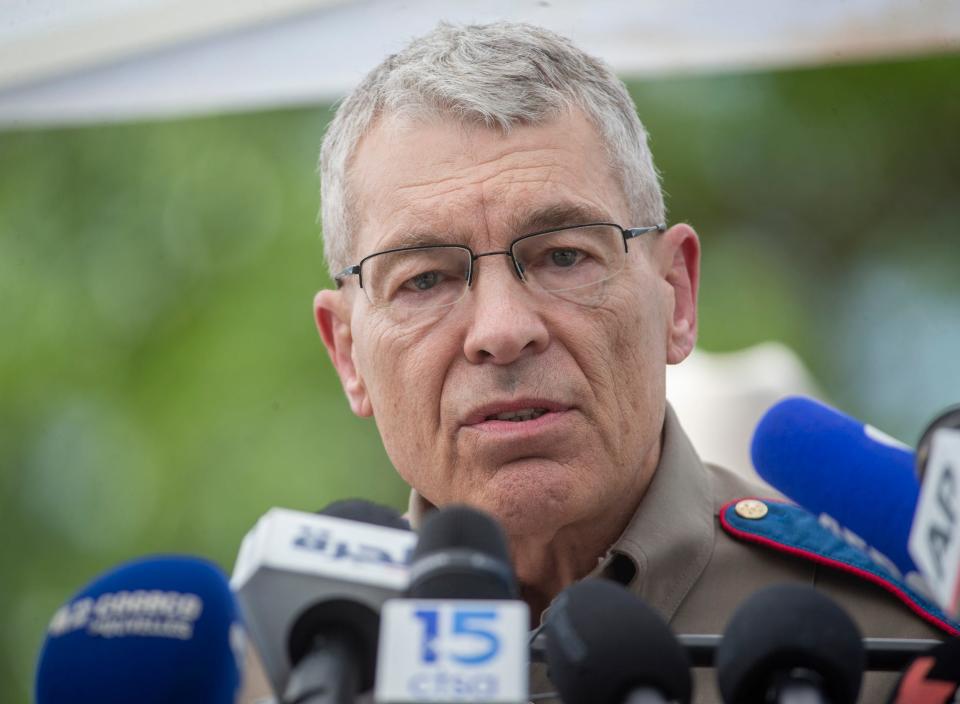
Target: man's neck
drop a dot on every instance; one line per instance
(547, 564)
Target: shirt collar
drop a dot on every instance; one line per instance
(668, 542)
(417, 509)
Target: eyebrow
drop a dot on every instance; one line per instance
(558, 215)
(415, 238)
(542, 218)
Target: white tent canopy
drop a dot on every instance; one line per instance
(65, 62)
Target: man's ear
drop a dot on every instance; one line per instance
(681, 261)
(331, 311)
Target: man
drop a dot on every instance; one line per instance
(508, 297)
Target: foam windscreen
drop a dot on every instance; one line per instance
(152, 631)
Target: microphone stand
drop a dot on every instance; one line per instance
(328, 674)
(883, 654)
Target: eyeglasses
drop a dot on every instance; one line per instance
(569, 262)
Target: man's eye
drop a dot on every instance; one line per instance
(424, 281)
(565, 257)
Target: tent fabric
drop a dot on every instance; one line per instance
(63, 62)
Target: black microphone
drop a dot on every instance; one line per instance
(365, 512)
(462, 554)
(790, 643)
(604, 645)
(932, 678)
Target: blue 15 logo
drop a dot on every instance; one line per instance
(471, 627)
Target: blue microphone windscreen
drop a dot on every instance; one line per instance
(830, 463)
(153, 631)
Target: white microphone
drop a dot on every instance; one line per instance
(311, 587)
(461, 636)
(934, 541)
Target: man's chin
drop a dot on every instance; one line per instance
(527, 503)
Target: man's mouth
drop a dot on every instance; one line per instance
(515, 411)
(518, 416)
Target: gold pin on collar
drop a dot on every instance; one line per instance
(751, 509)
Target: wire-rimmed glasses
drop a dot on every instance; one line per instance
(570, 262)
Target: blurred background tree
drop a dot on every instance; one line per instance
(163, 385)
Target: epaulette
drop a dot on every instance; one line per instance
(787, 528)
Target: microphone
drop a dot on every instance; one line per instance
(933, 678)
(461, 633)
(883, 654)
(864, 486)
(311, 587)
(848, 473)
(462, 554)
(365, 512)
(934, 538)
(152, 631)
(948, 419)
(604, 645)
(790, 643)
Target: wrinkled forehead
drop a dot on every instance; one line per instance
(434, 180)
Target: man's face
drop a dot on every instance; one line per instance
(436, 381)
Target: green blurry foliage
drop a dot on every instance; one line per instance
(163, 385)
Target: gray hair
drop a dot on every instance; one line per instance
(497, 75)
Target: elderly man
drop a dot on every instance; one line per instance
(508, 296)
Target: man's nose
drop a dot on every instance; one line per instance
(505, 316)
